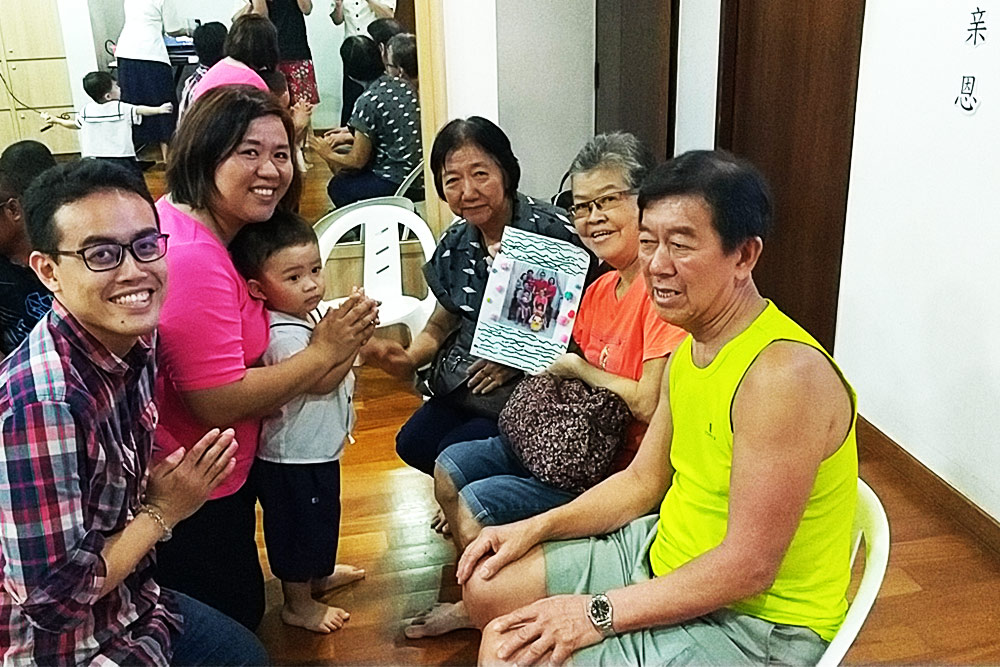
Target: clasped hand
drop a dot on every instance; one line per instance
(181, 483)
(347, 327)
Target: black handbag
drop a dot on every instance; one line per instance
(448, 376)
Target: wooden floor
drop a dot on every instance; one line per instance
(940, 602)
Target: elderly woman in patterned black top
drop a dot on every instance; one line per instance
(476, 172)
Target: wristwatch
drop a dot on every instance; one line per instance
(599, 612)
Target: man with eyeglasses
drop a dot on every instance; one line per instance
(80, 509)
(23, 300)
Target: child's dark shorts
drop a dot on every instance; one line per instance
(301, 503)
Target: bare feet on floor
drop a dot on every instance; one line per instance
(315, 616)
(440, 619)
(440, 524)
(342, 575)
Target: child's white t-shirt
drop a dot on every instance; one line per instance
(310, 428)
(106, 129)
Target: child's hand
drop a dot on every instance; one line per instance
(344, 329)
(301, 113)
(47, 118)
(166, 107)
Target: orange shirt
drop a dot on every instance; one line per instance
(619, 335)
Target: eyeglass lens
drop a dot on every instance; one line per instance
(106, 256)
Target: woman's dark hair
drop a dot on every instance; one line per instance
(362, 60)
(382, 30)
(734, 190)
(219, 119)
(253, 40)
(404, 53)
(70, 182)
(255, 244)
(210, 42)
(275, 81)
(97, 85)
(480, 132)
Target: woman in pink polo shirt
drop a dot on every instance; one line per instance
(231, 165)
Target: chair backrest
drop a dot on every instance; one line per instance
(380, 219)
(871, 524)
(410, 178)
(321, 225)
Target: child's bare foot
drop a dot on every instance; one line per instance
(342, 575)
(315, 616)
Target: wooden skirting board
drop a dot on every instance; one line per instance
(961, 509)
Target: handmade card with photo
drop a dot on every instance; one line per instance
(532, 296)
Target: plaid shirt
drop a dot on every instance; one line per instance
(76, 433)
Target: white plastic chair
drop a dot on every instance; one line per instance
(410, 178)
(420, 207)
(380, 219)
(870, 523)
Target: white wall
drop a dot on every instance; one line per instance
(697, 74)
(78, 40)
(919, 308)
(546, 86)
(470, 53)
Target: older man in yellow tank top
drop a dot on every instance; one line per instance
(751, 459)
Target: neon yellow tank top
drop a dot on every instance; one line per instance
(811, 585)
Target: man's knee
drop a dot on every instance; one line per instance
(484, 600)
(489, 645)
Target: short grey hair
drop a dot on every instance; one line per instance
(617, 150)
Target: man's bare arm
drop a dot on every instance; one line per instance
(791, 412)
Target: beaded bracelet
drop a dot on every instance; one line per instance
(155, 515)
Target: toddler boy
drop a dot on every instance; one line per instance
(106, 123)
(297, 471)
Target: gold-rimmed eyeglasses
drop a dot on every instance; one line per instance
(605, 202)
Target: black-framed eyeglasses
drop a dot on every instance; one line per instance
(605, 202)
(107, 256)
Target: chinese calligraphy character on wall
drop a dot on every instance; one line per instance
(977, 28)
(966, 101)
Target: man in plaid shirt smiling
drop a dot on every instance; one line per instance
(80, 511)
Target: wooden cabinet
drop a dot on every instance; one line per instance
(40, 83)
(31, 29)
(8, 131)
(33, 63)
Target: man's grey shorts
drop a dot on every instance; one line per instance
(724, 637)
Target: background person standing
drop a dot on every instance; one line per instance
(144, 71)
(356, 15)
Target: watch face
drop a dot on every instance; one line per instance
(600, 609)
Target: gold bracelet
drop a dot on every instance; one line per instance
(155, 515)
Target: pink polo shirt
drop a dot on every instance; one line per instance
(211, 331)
